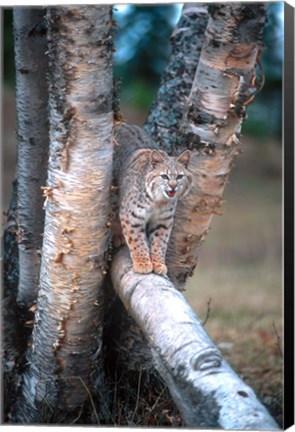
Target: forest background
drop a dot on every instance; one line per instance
(242, 254)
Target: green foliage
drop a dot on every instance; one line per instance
(265, 113)
(143, 48)
(139, 93)
(142, 43)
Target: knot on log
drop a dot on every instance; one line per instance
(206, 359)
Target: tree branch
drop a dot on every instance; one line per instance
(225, 83)
(164, 120)
(206, 390)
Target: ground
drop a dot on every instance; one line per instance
(240, 273)
(237, 285)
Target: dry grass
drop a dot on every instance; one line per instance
(240, 270)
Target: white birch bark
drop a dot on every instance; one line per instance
(31, 65)
(224, 82)
(206, 390)
(65, 356)
(210, 127)
(163, 125)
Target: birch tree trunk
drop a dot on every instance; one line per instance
(225, 82)
(163, 125)
(165, 118)
(31, 66)
(206, 390)
(64, 362)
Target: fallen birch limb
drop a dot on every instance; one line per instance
(207, 392)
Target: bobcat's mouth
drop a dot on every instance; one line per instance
(171, 193)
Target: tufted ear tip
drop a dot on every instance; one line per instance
(157, 157)
(184, 158)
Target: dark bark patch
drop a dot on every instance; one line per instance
(72, 14)
(249, 28)
(23, 71)
(243, 393)
(199, 117)
(40, 29)
(191, 140)
(10, 248)
(69, 114)
(215, 43)
(101, 104)
(32, 141)
(215, 10)
(201, 404)
(204, 403)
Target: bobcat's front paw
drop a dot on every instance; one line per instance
(160, 268)
(142, 267)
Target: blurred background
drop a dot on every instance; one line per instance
(238, 282)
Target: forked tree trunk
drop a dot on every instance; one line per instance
(65, 356)
(64, 362)
(163, 125)
(225, 82)
(31, 66)
(184, 355)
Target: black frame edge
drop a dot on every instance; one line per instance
(288, 116)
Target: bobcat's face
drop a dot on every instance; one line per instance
(169, 178)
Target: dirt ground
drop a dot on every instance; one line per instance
(237, 286)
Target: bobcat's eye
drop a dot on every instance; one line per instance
(164, 176)
(179, 176)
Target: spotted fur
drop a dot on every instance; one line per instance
(151, 186)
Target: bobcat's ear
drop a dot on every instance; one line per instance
(184, 158)
(157, 157)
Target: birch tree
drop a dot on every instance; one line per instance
(215, 78)
(31, 66)
(64, 358)
(225, 81)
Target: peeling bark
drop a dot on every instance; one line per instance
(162, 126)
(31, 66)
(206, 390)
(64, 362)
(224, 84)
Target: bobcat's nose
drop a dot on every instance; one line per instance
(172, 185)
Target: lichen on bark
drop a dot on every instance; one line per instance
(164, 120)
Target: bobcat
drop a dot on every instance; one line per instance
(150, 186)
